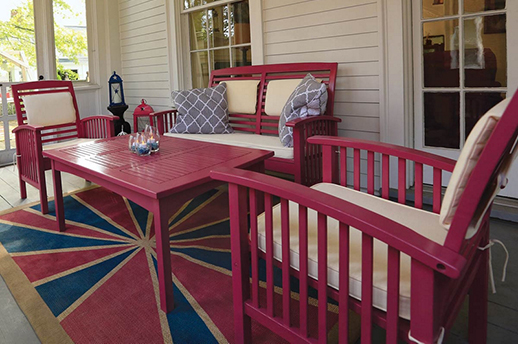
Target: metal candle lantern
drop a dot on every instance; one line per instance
(116, 90)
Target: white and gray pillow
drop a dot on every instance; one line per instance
(308, 99)
(202, 111)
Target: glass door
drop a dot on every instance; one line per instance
(461, 69)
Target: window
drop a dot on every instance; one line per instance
(17, 41)
(71, 40)
(219, 37)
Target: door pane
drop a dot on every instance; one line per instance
(242, 56)
(2, 136)
(12, 125)
(17, 42)
(477, 104)
(441, 53)
(198, 30)
(241, 23)
(485, 51)
(441, 119)
(439, 8)
(219, 34)
(200, 69)
(471, 6)
(220, 58)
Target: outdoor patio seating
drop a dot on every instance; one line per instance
(48, 117)
(403, 268)
(256, 97)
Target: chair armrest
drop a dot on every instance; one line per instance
(96, 127)
(35, 128)
(388, 149)
(163, 120)
(299, 122)
(429, 253)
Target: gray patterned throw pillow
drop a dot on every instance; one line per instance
(308, 99)
(202, 111)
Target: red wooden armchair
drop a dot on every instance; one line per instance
(48, 118)
(400, 267)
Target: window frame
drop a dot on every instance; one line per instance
(46, 63)
(256, 35)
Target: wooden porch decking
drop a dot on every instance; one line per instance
(503, 306)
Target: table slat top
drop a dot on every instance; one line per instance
(178, 165)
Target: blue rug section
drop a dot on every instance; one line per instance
(221, 259)
(185, 324)
(75, 211)
(60, 293)
(21, 239)
(193, 204)
(222, 228)
(141, 215)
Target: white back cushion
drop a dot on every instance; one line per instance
(468, 159)
(49, 109)
(242, 96)
(277, 94)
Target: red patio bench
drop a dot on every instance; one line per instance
(303, 161)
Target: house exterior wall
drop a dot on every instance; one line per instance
(144, 46)
(340, 31)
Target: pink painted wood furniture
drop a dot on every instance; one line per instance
(394, 264)
(306, 163)
(49, 132)
(179, 172)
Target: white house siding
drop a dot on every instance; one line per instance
(343, 31)
(144, 53)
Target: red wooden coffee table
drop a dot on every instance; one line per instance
(179, 171)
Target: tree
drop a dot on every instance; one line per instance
(17, 33)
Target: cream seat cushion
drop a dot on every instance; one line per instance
(49, 109)
(243, 140)
(467, 161)
(422, 222)
(64, 144)
(277, 94)
(242, 96)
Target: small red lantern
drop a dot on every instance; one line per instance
(142, 110)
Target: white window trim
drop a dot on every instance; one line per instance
(180, 62)
(45, 47)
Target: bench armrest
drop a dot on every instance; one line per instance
(163, 120)
(403, 239)
(300, 122)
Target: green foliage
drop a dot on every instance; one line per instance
(17, 34)
(66, 74)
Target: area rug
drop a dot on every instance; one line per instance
(97, 282)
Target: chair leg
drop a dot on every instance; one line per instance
(43, 194)
(23, 188)
(478, 303)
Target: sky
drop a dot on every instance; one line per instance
(7, 5)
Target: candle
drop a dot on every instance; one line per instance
(143, 149)
(153, 144)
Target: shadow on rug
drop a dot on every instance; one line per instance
(98, 282)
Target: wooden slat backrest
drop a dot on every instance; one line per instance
(53, 133)
(260, 123)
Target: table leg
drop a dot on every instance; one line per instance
(58, 198)
(165, 280)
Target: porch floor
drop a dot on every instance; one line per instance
(503, 306)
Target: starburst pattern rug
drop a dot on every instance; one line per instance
(97, 282)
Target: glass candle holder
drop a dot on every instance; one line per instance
(142, 147)
(152, 137)
(132, 143)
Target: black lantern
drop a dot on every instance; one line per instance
(116, 90)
